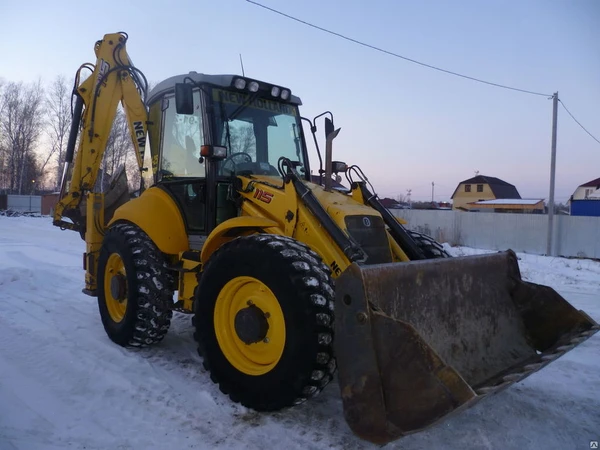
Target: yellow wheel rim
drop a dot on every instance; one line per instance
(257, 358)
(116, 303)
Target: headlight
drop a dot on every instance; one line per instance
(285, 94)
(253, 86)
(240, 83)
(275, 91)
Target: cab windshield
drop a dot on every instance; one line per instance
(258, 134)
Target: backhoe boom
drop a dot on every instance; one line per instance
(114, 80)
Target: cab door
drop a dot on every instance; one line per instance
(175, 141)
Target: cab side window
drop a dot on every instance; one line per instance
(181, 140)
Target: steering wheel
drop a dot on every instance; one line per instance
(233, 155)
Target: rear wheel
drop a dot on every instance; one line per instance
(134, 294)
(429, 246)
(264, 321)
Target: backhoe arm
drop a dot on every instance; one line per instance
(114, 80)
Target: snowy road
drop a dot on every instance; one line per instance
(64, 385)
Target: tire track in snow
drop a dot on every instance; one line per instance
(85, 388)
(88, 392)
(164, 387)
(313, 425)
(37, 376)
(52, 289)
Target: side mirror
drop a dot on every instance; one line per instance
(184, 98)
(328, 127)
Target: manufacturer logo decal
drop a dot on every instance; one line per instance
(102, 70)
(335, 268)
(263, 196)
(140, 136)
(366, 222)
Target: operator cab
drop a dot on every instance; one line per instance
(206, 129)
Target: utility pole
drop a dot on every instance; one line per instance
(549, 250)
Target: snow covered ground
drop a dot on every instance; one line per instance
(64, 385)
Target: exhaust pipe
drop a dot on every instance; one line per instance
(330, 134)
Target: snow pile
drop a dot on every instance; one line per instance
(15, 213)
(581, 275)
(64, 385)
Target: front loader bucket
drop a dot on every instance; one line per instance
(417, 341)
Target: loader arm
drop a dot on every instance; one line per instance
(114, 80)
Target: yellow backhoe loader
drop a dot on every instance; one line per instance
(291, 278)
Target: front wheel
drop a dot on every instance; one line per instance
(264, 321)
(134, 294)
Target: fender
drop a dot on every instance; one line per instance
(156, 213)
(232, 228)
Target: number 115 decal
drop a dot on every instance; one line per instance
(263, 196)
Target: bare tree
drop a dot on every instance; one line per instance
(401, 198)
(59, 117)
(243, 139)
(118, 146)
(21, 124)
(3, 167)
(122, 152)
(134, 176)
(3, 149)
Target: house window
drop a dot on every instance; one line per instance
(480, 188)
(588, 192)
(467, 188)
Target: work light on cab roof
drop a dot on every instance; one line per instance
(255, 86)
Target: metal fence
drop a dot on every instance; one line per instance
(24, 203)
(573, 235)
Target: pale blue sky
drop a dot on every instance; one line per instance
(405, 125)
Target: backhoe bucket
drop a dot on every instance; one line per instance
(417, 341)
(116, 195)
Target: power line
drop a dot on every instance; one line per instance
(364, 44)
(576, 121)
(395, 54)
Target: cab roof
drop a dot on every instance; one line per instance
(224, 81)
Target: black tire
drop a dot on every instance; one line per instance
(429, 246)
(148, 288)
(303, 288)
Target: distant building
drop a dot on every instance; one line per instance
(481, 188)
(517, 205)
(390, 203)
(585, 201)
(591, 189)
(49, 201)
